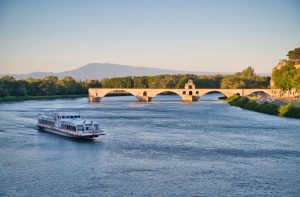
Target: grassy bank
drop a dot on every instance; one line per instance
(23, 98)
(288, 110)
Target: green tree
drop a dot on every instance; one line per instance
(32, 86)
(296, 80)
(7, 85)
(3, 90)
(20, 88)
(245, 79)
(284, 78)
(247, 73)
(140, 82)
(125, 82)
(233, 82)
(47, 88)
(69, 85)
(94, 84)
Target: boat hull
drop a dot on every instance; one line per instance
(68, 134)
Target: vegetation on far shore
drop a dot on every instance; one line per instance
(245, 79)
(23, 98)
(48, 86)
(288, 110)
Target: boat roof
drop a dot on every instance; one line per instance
(73, 121)
(61, 114)
(79, 122)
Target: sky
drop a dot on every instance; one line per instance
(195, 35)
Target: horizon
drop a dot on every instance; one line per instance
(195, 36)
(183, 71)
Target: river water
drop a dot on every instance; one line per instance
(163, 148)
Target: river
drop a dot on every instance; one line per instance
(163, 148)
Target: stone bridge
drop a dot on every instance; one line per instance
(189, 93)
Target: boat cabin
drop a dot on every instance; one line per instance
(68, 121)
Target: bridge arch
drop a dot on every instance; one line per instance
(170, 90)
(258, 91)
(215, 91)
(122, 91)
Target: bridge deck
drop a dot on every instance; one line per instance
(187, 94)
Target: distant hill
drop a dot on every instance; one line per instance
(106, 70)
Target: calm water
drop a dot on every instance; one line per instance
(164, 148)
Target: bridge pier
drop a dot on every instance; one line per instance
(144, 98)
(94, 99)
(190, 98)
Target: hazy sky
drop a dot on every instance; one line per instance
(211, 35)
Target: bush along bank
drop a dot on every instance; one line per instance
(264, 107)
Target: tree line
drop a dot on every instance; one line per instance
(245, 79)
(51, 85)
(47, 86)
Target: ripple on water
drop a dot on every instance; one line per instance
(163, 148)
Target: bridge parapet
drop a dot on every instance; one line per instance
(146, 95)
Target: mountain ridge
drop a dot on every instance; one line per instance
(107, 70)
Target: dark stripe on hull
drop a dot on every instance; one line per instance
(66, 134)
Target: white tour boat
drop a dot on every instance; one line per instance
(69, 124)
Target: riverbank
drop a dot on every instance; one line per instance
(23, 98)
(288, 110)
(50, 97)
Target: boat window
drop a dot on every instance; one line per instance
(67, 117)
(71, 116)
(80, 128)
(63, 117)
(78, 116)
(96, 126)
